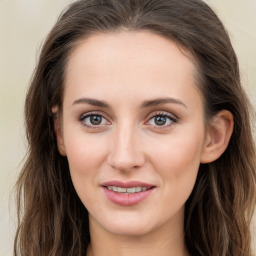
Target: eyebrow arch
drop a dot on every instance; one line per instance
(94, 102)
(154, 102)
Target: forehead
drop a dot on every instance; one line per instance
(129, 46)
(127, 62)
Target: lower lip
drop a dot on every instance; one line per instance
(127, 199)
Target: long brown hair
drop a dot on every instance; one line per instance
(52, 219)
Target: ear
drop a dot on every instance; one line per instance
(218, 136)
(58, 131)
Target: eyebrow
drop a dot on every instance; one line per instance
(94, 102)
(145, 104)
(154, 102)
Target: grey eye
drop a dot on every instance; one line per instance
(95, 119)
(160, 120)
(91, 120)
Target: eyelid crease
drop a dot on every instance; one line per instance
(163, 113)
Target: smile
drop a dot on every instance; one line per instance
(127, 190)
(127, 193)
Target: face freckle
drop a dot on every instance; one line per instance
(117, 85)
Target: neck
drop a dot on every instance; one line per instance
(164, 241)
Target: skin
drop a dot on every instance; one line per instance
(124, 70)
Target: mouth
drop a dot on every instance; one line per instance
(128, 193)
(131, 190)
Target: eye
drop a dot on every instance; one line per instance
(162, 120)
(92, 120)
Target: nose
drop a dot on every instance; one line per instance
(126, 149)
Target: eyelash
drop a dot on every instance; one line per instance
(172, 120)
(89, 115)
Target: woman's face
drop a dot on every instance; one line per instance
(133, 130)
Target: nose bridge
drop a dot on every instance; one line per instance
(126, 150)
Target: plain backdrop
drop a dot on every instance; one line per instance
(23, 27)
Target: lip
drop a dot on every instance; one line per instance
(128, 184)
(127, 199)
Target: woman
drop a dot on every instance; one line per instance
(139, 134)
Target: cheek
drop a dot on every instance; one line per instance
(178, 163)
(85, 156)
(84, 160)
(84, 152)
(180, 154)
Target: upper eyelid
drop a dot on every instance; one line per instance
(174, 119)
(163, 113)
(162, 128)
(148, 117)
(90, 113)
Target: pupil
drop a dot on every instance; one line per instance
(95, 120)
(160, 120)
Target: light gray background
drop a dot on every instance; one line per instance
(23, 26)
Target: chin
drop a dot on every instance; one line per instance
(128, 225)
(130, 230)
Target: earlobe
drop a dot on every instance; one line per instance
(218, 136)
(58, 132)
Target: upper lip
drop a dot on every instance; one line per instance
(129, 184)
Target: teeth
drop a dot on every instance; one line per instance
(138, 189)
(127, 190)
(131, 190)
(121, 190)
